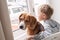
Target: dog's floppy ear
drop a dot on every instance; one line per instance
(20, 16)
(33, 22)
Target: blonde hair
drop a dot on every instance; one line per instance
(47, 10)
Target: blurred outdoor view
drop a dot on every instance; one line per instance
(14, 9)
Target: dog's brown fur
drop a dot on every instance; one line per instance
(32, 25)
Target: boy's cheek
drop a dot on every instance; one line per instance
(40, 17)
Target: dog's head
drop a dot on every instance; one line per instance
(27, 21)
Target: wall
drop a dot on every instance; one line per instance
(56, 5)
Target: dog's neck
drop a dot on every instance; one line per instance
(35, 31)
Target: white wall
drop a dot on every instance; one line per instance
(56, 5)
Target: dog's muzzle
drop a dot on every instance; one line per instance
(22, 25)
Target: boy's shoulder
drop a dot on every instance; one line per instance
(50, 22)
(53, 23)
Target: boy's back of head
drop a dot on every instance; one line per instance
(47, 10)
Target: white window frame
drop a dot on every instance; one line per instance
(30, 4)
(31, 9)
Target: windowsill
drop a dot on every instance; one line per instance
(19, 34)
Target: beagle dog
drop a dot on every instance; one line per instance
(31, 24)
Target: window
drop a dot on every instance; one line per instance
(14, 9)
(11, 0)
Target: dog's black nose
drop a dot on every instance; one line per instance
(21, 27)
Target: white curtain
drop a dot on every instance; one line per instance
(5, 27)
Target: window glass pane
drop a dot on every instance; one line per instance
(11, 0)
(39, 2)
(16, 10)
(15, 7)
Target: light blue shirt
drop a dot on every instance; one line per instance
(50, 27)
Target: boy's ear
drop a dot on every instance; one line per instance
(44, 16)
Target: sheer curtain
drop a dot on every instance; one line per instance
(5, 27)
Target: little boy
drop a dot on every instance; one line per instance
(44, 15)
